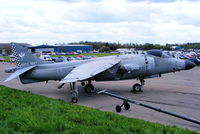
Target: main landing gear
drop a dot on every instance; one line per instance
(89, 88)
(126, 105)
(138, 87)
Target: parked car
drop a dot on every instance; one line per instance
(59, 59)
(2, 59)
(87, 57)
(93, 56)
(196, 61)
(70, 58)
(12, 58)
(45, 57)
(78, 58)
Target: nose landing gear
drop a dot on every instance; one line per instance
(138, 87)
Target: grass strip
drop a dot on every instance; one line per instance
(24, 112)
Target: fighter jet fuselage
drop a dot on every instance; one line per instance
(130, 67)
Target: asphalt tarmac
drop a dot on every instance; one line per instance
(175, 92)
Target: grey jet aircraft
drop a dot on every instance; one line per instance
(151, 64)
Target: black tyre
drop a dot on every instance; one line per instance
(89, 88)
(118, 108)
(137, 87)
(74, 100)
(126, 106)
(83, 84)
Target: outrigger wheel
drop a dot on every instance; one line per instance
(126, 105)
(118, 108)
(89, 88)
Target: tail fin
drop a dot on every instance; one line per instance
(23, 57)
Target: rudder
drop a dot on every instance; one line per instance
(23, 57)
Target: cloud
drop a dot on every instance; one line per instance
(160, 1)
(52, 21)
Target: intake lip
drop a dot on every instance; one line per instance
(155, 52)
(189, 64)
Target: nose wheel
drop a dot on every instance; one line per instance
(138, 87)
(125, 104)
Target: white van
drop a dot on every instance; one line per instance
(45, 57)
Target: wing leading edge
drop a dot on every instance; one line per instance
(89, 69)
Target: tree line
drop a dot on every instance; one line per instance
(109, 46)
(106, 46)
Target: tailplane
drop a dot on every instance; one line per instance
(23, 57)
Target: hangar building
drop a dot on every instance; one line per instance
(62, 49)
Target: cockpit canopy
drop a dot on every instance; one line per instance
(158, 53)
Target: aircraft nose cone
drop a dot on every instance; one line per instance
(189, 64)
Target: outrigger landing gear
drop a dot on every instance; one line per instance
(89, 88)
(126, 100)
(126, 105)
(138, 87)
(74, 92)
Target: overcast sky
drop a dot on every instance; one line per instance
(58, 21)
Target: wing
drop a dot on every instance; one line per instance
(89, 69)
(19, 72)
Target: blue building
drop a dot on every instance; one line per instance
(62, 49)
(175, 48)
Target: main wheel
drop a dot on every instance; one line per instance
(89, 88)
(126, 106)
(74, 100)
(118, 108)
(137, 87)
(82, 83)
